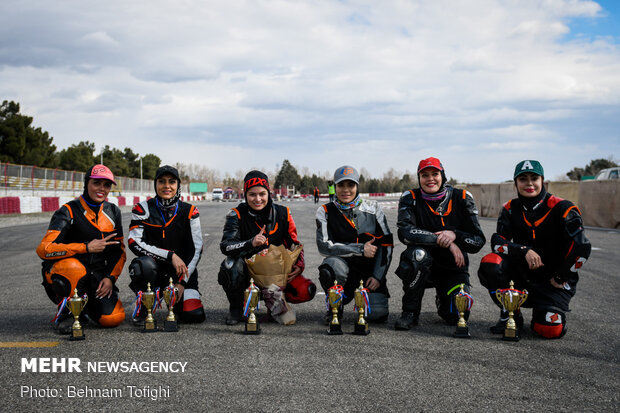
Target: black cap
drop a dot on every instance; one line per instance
(167, 169)
(255, 178)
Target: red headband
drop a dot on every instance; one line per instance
(252, 182)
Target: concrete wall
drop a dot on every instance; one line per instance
(599, 201)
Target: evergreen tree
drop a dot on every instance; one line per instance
(150, 163)
(115, 160)
(591, 169)
(288, 176)
(77, 157)
(20, 142)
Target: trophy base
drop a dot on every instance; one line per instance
(510, 335)
(252, 328)
(510, 338)
(149, 327)
(462, 332)
(77, 335)
(334, 330)
(171, 326)
(361, 329)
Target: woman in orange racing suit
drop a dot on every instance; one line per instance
(83, 248)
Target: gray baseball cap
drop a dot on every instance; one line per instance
(346, 172)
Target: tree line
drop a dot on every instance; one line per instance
(591, 169)
(22, 143)
(288, 176)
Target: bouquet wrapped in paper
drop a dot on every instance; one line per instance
(270, 269)
(272, 265)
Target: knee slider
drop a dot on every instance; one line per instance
(326, 277)
(232, 274)
(61, 287)
(143, 270)
(549, 323)
(414, 266)
(336, 266)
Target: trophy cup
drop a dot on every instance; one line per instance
(148, 299)
(512, 300)
(334, 300)
(170, 297)
(76, 304)
(251, 303)
(361, 305)
(463, 302)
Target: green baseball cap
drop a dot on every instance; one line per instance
(531, 166)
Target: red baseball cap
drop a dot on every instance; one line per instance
(430, 163)
(102, 172)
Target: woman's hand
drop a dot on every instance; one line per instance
(259, 239)
(98, 245)
(372, 283)
(369, 249)
(533, 260)
(105, 288)
(459, 259)
(295, 271)
(445, 238)
(179, 265)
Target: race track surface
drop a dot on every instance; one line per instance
(300, 367)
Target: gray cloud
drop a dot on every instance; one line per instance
(380, 84)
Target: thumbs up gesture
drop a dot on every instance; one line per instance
(369, 249)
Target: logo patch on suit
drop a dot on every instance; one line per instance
(578, 264)
(501, 249)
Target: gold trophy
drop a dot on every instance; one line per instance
(251, 303)
(361, 295)
(512, 300)
(171, 295)
(148, 299)
(334, 297)
(76, 304)
(463, 302)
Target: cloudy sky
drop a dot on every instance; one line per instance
(236, 84)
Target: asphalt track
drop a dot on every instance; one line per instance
(301, 368)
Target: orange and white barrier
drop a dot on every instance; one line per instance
(33, 204)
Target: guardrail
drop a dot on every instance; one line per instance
(32, 178)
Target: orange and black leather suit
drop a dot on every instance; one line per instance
(68, 265)
(554, 230)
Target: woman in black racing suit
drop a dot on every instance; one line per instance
(250, 228)
(439, 225)
(539, 244)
